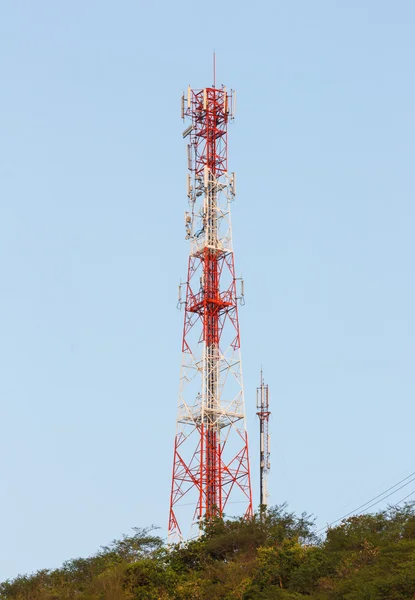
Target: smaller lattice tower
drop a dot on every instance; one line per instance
(262, 404)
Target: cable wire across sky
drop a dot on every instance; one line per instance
(376, 500)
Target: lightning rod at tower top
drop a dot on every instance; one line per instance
(211, 471)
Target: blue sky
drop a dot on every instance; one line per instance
(92, 195)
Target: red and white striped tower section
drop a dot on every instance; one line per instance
(211, 463)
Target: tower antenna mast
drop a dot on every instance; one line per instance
(211, 463)
(262, 404)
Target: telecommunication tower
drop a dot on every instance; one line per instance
(211, 464)
(262, 404)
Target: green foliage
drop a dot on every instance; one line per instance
(276, 564)
(275, 555)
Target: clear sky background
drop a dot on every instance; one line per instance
(92, 196)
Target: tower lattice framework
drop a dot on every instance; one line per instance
(211, 464)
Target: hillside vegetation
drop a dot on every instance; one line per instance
(368, 557)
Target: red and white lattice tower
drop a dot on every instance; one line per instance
(211, 463)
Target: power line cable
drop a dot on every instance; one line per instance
(362, 506)
(390, 494)
(400, 501)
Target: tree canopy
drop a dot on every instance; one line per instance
(275, 555)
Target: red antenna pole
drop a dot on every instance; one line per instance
(262, 404)
(211, 463)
